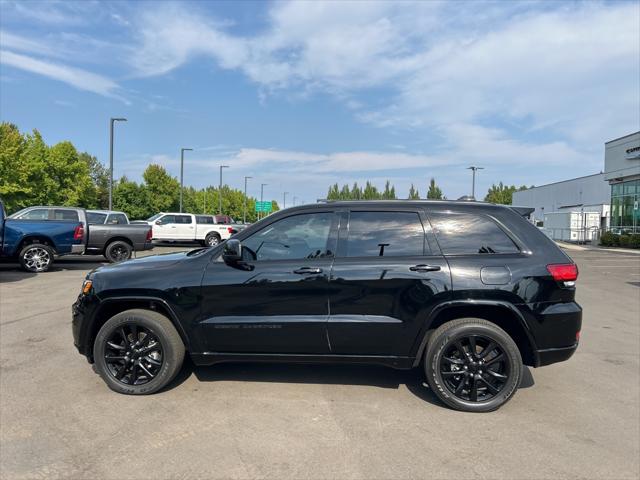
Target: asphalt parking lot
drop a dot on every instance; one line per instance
(577, 419)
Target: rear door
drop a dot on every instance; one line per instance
(185, 227)
(386, 278)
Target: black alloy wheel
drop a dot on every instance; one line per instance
(118, 251)
(472, 364)
(133, 354)
(474, 368)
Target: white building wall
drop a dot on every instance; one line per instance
(584, 194)
(622, 158)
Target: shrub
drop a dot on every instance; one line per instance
(609, 239)
(634, 241)
(624, 240)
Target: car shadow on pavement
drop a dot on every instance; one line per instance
(323, 374)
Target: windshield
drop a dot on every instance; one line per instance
(95, 218)
(155, 217)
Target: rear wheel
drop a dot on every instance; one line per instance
(118, 251)
(212, 239)
(472, 365)
(36, 257)
(138, 352)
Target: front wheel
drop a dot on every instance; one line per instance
(138, 352)
(472, 365)
(36, 257)
(118, 251)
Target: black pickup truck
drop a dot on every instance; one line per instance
(109, 233)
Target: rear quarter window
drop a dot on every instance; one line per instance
(63, 214)
(462, 233)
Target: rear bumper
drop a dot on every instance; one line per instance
(77, 249)
(555, 355)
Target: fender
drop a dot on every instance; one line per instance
(172, 315)
(469, 303)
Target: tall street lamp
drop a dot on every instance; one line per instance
(473, 181)
(220, 189)
(262, 185)
(244, 208)
(111, 158)
(284, 200)
(182, 150)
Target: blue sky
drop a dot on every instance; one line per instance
(300, 95)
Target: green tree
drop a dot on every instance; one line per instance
(132, 198)
(502, 194)
(334, 192)
(163, 189)
(413, 193)
(389, 191)
(356, 192)
(434, 192)
(370, 192)
(100, 177)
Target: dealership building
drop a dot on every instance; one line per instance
(604, 200)
(622, 172)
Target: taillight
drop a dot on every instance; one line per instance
(150, 234)
(78, 233)
(563, 272)
(231, 230)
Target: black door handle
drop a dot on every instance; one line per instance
(307, 270)
(425, 268)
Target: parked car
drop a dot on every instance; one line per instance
(186, 227)
(111, 235)
(108, 233)
(37, 237)
(467, 291)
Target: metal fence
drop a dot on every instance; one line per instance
(585, 235)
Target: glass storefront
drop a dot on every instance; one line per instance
(625, 208)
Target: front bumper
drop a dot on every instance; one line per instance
(81, 312)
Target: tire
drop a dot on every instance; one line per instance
(36, 257)
(128, 371)
(118, 251)
(487, 380)
(212, 239)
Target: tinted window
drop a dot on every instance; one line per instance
(95, 218)
(389, 234)
(167, 219)
(35, 214)
(204, 219)
(183, 219)
(155, 217)
(117, 219)
(224, 219)
(464, 233)
(296, 237)
(59, 214)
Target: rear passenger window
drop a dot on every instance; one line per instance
(183, 219)
(204, 219)
(59, 214)
(462, 233)
(385, 234)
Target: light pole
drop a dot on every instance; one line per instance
(111, 122)
(473, 181)
(220, 188)
(262, 185)
(244, 208)
(182, 150)
(284, 200)
(294, 200)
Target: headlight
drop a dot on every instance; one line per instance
(86, 287)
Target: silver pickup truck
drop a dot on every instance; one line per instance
(106, 233)
(111, 235)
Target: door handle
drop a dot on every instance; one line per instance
(307, 270)
(425, 268)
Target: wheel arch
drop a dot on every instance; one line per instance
(116, 239)
(112, 306)
(35, 238)
(502, 314)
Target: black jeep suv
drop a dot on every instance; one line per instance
(468, 291)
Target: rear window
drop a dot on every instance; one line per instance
(385, 234)
(60, 214)
(95, 218)
(462, 233)
(204, 219)
(117, 219)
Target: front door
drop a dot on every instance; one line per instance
(276, 299)
(385, 281)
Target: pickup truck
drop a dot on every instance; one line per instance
(186, 227)
(35, 239)
(112, 235)
(108, 233)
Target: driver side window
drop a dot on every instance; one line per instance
(296, 237)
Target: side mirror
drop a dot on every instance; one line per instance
(158, 222)
(232, 251)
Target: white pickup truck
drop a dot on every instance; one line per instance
(186, 227)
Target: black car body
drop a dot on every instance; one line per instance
(365, 282)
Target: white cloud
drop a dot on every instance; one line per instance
(75, 77)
